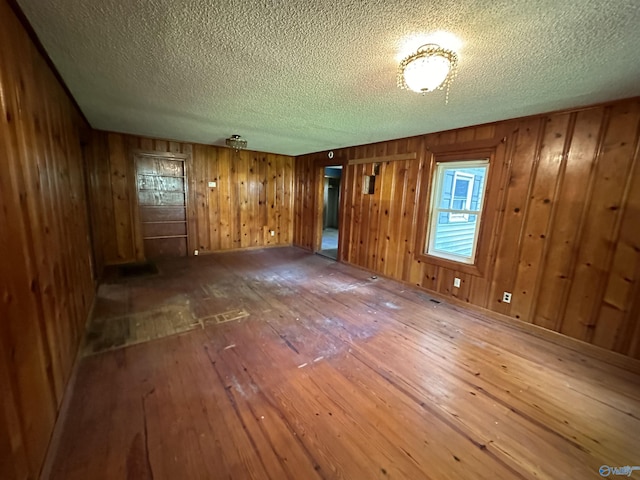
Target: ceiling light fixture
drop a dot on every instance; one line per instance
(236, 142)
(430, 68)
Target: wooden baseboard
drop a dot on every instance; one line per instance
(241, 249)
(63, 412)
(593, 351)
(608, 356)
(204, 252)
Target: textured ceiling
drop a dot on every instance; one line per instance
(300, 76)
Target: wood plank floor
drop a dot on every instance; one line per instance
(333, 374)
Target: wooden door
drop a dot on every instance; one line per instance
(162, 205)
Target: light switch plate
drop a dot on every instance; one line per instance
(456, 282)
(212, 184)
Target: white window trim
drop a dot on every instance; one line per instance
(435, 211)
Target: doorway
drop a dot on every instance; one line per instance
(162, 205)
(330, 211)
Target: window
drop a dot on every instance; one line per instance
(462, 189)
(456, 204)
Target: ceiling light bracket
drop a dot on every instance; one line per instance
(236, 142)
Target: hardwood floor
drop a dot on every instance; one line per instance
(333, 374)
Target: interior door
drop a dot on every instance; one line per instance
(162, 206)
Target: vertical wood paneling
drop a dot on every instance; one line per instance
(212, 162)
(541, 200)
(380, 195)
(244, 219)
(280, 188)
(601, 225)
(494, 199)
(270, 194)
(236, 200)
(400, 221)
(99, 187)
(255, 229)
(390, 257)
(367, 214)
(263, 213)
(415, 269)
(631, 344)
(286, 202)
(122, 198)
(199, 182)
(298, 206)
(358, 172)
(46, 285)
(611, 327)
(621, 300)
(146, 144)
(562, 238)
(13, 456)
(253, 195)
(561, 217)
(225, 199)
(526, 136)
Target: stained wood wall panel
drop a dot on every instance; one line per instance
(98, 180)
(253, 195)
(122, 178)
(562, 213)
(543, 185)
(46, 285)
(563, 239)
(524, 139)
(601, 221)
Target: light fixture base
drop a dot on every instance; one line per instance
(236, 142)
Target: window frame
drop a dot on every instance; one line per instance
(486, 152)
(437, 183)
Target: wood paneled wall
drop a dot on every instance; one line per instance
(46, 286)
(563, 213)
(253, 196)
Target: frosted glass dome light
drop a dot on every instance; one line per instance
(430, 68)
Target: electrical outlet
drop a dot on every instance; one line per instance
(195, 252)
(212, 184)
(456, 282)
(273, 233)
(506, 297)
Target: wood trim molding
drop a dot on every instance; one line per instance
(152, 153)
(388, 158)
(619, 360)
(484, 241)
(468, 147)
(609, 356)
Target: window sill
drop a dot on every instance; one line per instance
(471, 269)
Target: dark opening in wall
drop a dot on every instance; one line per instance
(369, 184)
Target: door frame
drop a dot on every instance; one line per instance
(320, 165)
(135, 215)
